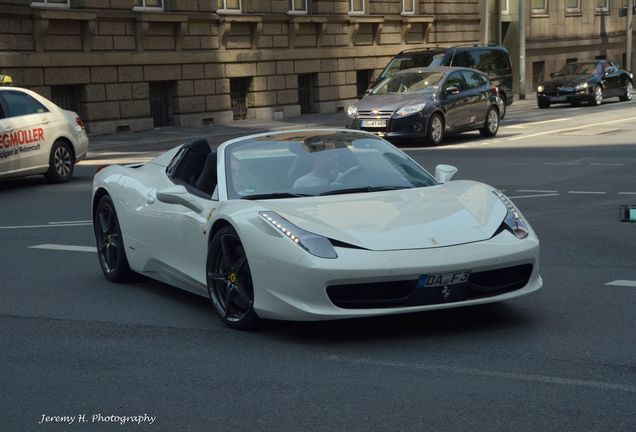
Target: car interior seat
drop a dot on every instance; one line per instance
(192, 162)
(207, 179)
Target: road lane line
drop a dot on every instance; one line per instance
(534, 196)
(557, 131)
(537, 191)
(45, 226)
(68, 222)
(587, 192)
(627, 193)
(623, 283)
(535, 378)
(523, 125)
(607, 164)
(71, 248)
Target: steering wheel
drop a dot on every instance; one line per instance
(350, 172)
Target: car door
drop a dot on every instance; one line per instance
(9, 153)
(26, 126)
(612, 80)
(477, 99)
(457, 110)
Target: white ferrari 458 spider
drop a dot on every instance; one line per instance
(312, 225)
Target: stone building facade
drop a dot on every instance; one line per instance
(561, 31)
(139, 64)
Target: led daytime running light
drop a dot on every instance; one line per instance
(313, 243)
(513, 221)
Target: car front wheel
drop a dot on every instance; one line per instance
(229, 280)
(110, 244)
(597, 96)
(629, 90)
(435, 133)
(491, 124)
(60, 163)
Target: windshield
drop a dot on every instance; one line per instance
(410, 82)
(319, 162)
(412, 60)
(579, 68)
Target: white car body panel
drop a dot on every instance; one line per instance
(26, 140)
(395, 236)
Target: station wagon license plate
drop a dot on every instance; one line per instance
(444, 279)
(373, 123)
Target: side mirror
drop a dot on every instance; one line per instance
(452, 90)
(444, 173)
(178, 195)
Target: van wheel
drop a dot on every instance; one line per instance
(60, 163)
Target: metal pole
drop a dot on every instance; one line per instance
(628, 38)
(522, 49)
(485, 22)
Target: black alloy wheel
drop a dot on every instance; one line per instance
(110, 244)
(60, 163)
(229, 280)
(491, 124)
(435, 132)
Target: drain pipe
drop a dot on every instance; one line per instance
(522, 49)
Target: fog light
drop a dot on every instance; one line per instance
(628, 213)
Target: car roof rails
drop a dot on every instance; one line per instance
(423, 49)
(491, 44)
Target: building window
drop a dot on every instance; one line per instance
(602, 6)
(239, 90)
(149, 4)
(572, 6)
(307, 86)
(538, 73)
(363, 81)
(298, 6)
(571, 60)
(67, 97)
(356, 6)
(408, 7)
(51, 3)
(505, 7)
(228, 5)
(539, 6)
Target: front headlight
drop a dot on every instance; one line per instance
(513, 221)
(540, 89)
(315, 244)
(352, 111)
(581, 86)
(410, 109)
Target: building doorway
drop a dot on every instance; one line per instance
(160, 103)
(307, 84)
(239, 88)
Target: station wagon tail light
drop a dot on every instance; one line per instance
(79, 122)
(315, 244)
(514, 221)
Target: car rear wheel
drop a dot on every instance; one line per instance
(543, 105)
(110, 244)
(435, 133)
(491, 124)
(629, 90)
(504, 106)
(597, 96)
(60, 163)
(229, 280)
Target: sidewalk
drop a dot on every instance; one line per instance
(165, 138)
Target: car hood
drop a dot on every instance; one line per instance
(437, 216)
(391, 102)
(568, 80)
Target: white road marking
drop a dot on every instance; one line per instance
(68, 222)
(46, 226)
(557, 131)
(627, 193)
(624, 283)
(537, 190)
(544, 379)
(525, 125)
(65, 247)
(533, 196)
(587, 192)
(607, 164)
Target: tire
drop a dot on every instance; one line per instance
(629, 92)
(110, 243)
(229, 280)
(61, 163)
(575, 104)
(596, 98)
(435, 132)
(504, 109)
(543, 105)
(491, 124)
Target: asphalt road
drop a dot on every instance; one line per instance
(563, 359)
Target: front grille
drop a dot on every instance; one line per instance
(375, 115)
(559, 91)
(405, 293)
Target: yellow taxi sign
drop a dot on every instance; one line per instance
(5, 80)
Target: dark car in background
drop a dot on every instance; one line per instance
(586, 82)
(492, 60)
(426, 103)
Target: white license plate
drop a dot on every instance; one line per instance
(559, 98)
(374, 123)
(435, 280)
